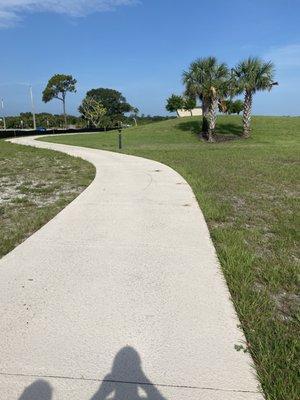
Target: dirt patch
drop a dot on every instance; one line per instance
(35, 185)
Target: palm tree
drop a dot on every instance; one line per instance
(252, 75)
(207, 80)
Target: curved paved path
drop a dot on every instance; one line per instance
(120, 296)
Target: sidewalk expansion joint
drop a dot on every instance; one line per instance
(128, 382)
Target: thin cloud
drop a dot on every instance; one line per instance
(285, 56)
(12, 11)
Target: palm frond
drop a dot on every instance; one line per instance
(254, 74)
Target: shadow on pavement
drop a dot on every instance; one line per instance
(126, 381)
(39, 390)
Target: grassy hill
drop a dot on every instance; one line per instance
(247, 190)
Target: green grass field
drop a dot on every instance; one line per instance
(247, 190)
(35, 185)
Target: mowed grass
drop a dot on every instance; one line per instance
(248, 192)
(35, 185)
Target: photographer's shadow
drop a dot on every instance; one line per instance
(127, 380)
(39, 390)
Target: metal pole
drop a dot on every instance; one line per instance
(2, 106)
(32, 107)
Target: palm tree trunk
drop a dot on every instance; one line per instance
(205, 110)
(212, 119)
(247, 115)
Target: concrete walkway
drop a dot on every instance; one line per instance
(120, 296)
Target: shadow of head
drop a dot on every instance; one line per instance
(127, 381)
(39, 390)
(127, 364)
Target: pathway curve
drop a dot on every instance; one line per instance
(120, 296)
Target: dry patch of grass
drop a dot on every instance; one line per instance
(35, 185)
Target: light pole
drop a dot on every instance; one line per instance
(32, 107)
(2, 107)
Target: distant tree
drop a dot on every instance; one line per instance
(135, 114)
(25, 120)
(237, 106)
(231, 107)
(208, 80)
(113, 101)
(93, 111)
(223, 106)
(46, 120)
(226, 106)
(57, 88)
(175, 103)
(143, 120)
(189, 104)
(252, 75)
(106, 122)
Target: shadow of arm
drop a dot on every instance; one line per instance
(151, 390)
(106, 388)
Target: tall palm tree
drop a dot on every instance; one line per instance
(207, 80)
(252, 75)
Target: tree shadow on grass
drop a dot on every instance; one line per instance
(229, 129)
(191, 126)
(224, 131)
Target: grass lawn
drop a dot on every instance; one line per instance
(247, 190)
(35, 185)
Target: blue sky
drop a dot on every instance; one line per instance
(142, 47)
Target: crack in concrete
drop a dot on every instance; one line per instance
(72, 378)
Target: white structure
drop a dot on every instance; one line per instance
(195, 112)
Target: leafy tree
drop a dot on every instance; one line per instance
(93, 111)
(207, 80)
(175, 103)
(253, 75)
(57, 88)
(237, 106)
(189, 104)
(47, 120)
(224, 105)
(113, 101)
(106, 122)
(231, 107)
(135, 114)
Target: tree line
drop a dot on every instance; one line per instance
(56, 121)
(214, 84)
(101, 108)
(46, 120)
